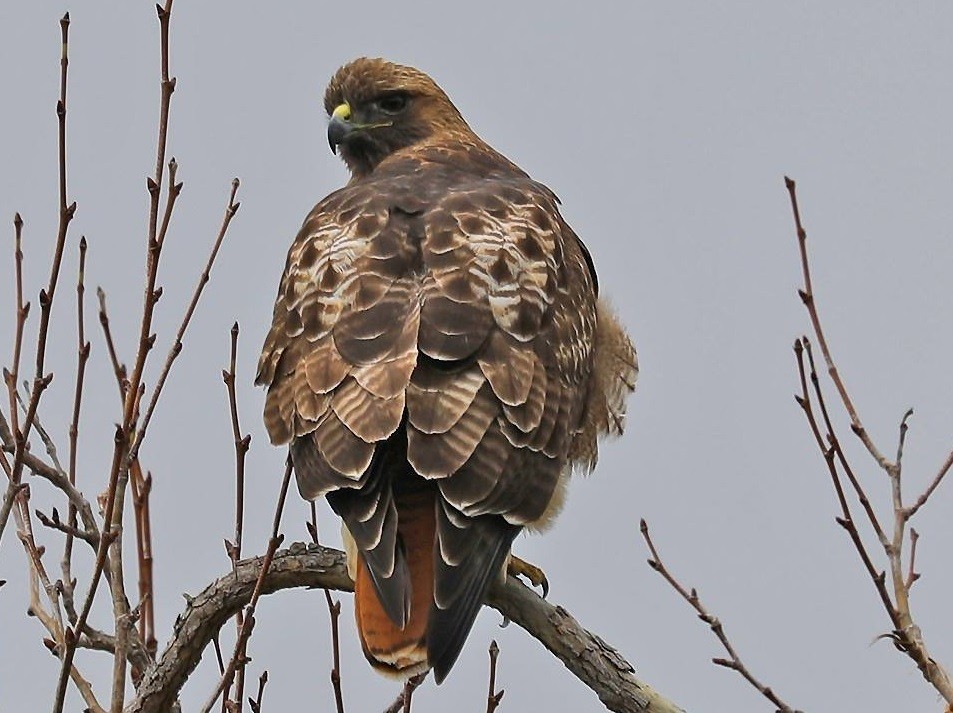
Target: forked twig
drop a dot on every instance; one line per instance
(906, 633)
(734, 661)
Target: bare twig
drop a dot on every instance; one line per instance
(912, 575)
(931, 488)
(141, 490)
(119, 369)
(153, 245)
(334, 612)
(691, 596)
(176, 349)
(906, 633)
(82, 356)
(22, 312)
(241, 444)
(846, 520)
(9, 497)
(493, 697)
(41, 380)
(255, 704)
(807, 297)
(248, 623)
(107, 537)
(402, 703)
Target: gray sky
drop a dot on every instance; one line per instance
(666, 131)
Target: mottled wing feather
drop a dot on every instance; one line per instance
(500, 259)
(437, 455)
(437, 399)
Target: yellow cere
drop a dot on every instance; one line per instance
(342, 111)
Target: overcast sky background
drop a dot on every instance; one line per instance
(666, 129)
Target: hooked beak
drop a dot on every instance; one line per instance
(339, 126)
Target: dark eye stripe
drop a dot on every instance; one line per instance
(392, 103)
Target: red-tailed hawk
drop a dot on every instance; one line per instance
(438, 361)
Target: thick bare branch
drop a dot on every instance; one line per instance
(587, 656)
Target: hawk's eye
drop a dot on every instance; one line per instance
(392, 103)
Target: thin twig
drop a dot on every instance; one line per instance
(334, 612)
(241, 444)
(801, 348)
(107, 537)
(141, 490)
(934, 484)
(691, 596)
(807, 297)
(82, 357)
(238, 657)
(912, 575)
(402, 703)
(9, 497)
(255, 704)
(906, 633)
(119, 369)
(22, 312)
(41, 380)
(176, 348)
(493, 697)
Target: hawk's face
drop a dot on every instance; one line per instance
(377, 108)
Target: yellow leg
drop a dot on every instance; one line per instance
(521, 568)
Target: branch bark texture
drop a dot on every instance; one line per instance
(587, 656)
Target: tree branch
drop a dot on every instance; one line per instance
(588, 657)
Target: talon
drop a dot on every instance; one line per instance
(536, 576)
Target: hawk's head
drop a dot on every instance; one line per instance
(377, 107)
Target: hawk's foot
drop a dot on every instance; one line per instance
(521, 568)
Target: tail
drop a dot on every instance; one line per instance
(423, 567)
(393, 650)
